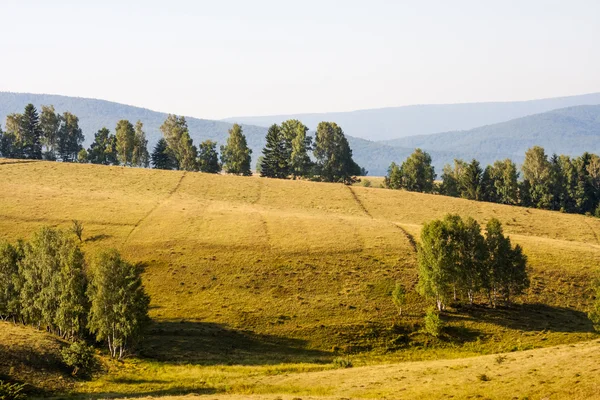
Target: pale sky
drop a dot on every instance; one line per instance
(222, 58)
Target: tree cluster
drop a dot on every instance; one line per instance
(456, 262)
(287, 153)
(45, 282)
(568, 184)
(49, 136)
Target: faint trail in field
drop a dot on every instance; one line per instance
(409, 237)
(261, 185)
(593, 231)
(158, 204)
(358, 202)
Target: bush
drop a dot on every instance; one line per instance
(433, 323)
(342, 362)
(79, 356)
(366, 183)
(12, 391)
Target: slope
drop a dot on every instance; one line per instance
(395, 122)
(570, 131)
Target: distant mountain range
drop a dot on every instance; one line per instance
(571, 130)
(397, 122)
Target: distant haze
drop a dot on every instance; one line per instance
(218, 59)
(397, 122)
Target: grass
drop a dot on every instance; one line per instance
(250, 274)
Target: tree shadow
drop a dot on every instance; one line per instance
(215, 344)
(174, 391)
(97, 238)
(532, 317)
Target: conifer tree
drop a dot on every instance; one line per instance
(393, 179)
(31, 133)
(235, 155)
(275, 161)
(12, 140)
(162, 157)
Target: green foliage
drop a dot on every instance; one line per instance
(10, 282)
(50, 122)
(82, 156)
(103, 149)
(30, 133)
(69, 139)
(342, 362)
(469, 181)
(297, 144)
(179, 142)
(393, 179)
(399, 296)
(140, 156)
(275, 162)
(77, 229)
(119, 304)
(79, 356)
(454, 258)
(208, 157)
(333, 154)
(504, 183)
(432, 323)
(125, 134)
(235, 155)
(53, 283)
(536, 171)
(416, 173)
(594, 313)
(12, 391)
(162, 157)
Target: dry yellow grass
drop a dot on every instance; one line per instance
(253, 271)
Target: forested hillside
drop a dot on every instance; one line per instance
(569, 131)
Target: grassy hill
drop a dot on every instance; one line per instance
(571, 131)
(276, 277)
(396, 122)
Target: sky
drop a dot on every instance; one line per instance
(225, 58)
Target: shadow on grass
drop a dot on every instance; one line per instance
(176, 391)
(97, 238)
(532, 317)
(215, 344)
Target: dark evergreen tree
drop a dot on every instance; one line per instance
(470, 181)
(162, 157)
(208, 157)
(275, 155)
(31, 134)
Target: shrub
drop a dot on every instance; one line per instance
(342, 362)
(77, 229)
(433, 323)
(483, 378)
(12, 391)
(366, 183)
(79, 356)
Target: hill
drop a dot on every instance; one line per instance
(571, 131)
(277, 277)
(396, 122)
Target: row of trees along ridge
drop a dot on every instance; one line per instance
(53, 136)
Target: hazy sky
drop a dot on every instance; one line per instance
(219, 58)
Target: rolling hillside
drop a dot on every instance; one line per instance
(570, 131)
(396, 122)
(254, 272)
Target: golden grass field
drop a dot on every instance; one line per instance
(257, 284)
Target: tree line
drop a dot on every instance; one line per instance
(558, 182)
(45, 282)
(287, 153)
